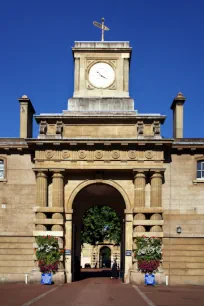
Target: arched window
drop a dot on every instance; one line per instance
(2, 169)
(200, 169)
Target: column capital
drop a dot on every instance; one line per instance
(57, 175)
(41, 174)
(156, 175)
(140, 173)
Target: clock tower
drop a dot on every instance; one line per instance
(101, 77)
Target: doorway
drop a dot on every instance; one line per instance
(105, 257)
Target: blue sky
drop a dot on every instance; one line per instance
(167, 37)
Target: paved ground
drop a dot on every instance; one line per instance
(100, 292)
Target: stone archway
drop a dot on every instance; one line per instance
(86, 195)
(69, 204)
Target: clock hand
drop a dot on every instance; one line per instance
(101, 75)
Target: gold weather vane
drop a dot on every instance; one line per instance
(102, 27)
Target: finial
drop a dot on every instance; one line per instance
(102, 27)
(180, 96)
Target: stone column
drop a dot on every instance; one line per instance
(57, 189)
(41, 189)
(156, 190)
(68, 247)
(128, 245)
(139, 189)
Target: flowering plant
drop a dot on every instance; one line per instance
(148, 254)
(48, 254)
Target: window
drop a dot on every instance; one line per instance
(200, 169)
(1, 169)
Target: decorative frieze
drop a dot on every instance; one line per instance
(87, 155)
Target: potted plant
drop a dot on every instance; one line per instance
(149, 256)
(48, 256)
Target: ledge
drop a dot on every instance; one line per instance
(49, 209)
(148, 234)
(148, 222)
(3, 180)
(148, 210)
(198, 181)
(48, 221)
(48, 233)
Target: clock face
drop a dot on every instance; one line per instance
(101, 75)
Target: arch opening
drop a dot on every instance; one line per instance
(102, 253)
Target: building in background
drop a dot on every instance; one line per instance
(101, 255)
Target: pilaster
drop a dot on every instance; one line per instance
(128, 244)
(68, 247)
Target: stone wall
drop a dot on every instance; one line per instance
(17, 194)
(183, 206)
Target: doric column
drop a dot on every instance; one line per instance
(139, 189)
(57, 189)
(156, 189)
(41, 189)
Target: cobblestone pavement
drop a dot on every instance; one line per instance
(100, 292)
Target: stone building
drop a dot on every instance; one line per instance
(100, 150)
(101, 255)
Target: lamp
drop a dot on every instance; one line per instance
(178, 230)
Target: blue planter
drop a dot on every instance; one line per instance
(150, 279)
(46, 279)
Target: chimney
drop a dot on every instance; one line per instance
(26, 117)
(177, 107)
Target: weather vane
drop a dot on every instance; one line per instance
(102, 27)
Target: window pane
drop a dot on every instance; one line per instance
(202, 165)
(1, 174)
(1, 169)
(198, 174)
(199, 165)
(202, 174)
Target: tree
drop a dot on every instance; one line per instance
(100, 223)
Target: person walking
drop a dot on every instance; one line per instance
(114, 270)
